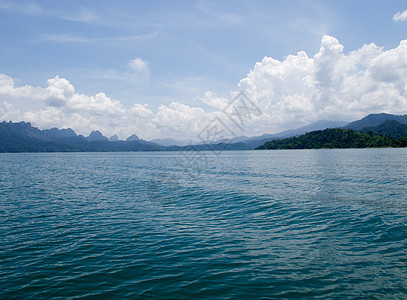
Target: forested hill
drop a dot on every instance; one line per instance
(335, 138)
(389, 128)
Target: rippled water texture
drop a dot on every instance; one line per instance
(250, 224)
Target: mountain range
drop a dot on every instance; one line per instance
(373, 120)
(22, 137)
(255, 141)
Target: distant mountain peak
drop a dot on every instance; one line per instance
(133, 138)
(113, 138)
(96, 135)
(373, 120)
(55, 133)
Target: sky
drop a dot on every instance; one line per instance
(169, 68)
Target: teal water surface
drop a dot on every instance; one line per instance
(239, 225)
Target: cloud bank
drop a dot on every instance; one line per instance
(295, 91)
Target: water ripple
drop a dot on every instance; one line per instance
(278, 224)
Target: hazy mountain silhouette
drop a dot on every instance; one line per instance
(114, 138)
(254, 141)
(55, 133)
(132, 138)
(96, 135)
(173, 142)
(318, 125)
(375, 120)
(22, 137)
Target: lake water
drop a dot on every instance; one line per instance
(241, 224)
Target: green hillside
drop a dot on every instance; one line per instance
(389, 128)
(335, 138)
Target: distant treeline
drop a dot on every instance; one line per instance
(336, 138)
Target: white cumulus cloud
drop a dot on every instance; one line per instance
(400, 16)
(300, 89)
(178, 119)
(329, 85)
(140, 68)
(212, 100)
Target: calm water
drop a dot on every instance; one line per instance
(250, 224)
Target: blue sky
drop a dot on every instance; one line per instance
(157, 53)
